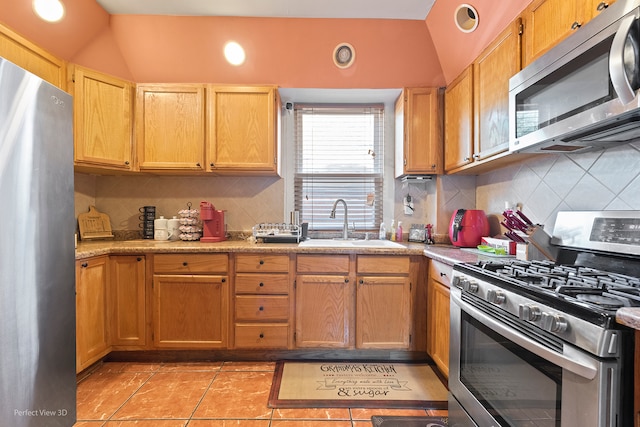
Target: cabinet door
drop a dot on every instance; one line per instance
(243, 126)
(92, 335)
(103, 123)
(383, 312)
(170, 127)
(128, 300)
(438, 316)
(546, 22)
(458, 121)
(419, 132)
(190, 311)
(491, 73)
(32, 58)
(322, 311)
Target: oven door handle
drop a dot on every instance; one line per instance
(581, 368)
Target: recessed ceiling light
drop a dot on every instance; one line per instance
(466, 18)
(49, 10)
(234, 53)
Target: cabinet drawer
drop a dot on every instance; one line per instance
(262, 335)
(325, 264)
(190, 263)
(265, 308)
(262, 283)
(253, 263)
(383, 264)
(440, 272)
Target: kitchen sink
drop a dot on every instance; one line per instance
(339, 243)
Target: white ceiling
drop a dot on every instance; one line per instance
(369, 9)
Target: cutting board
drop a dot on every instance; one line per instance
(94, 225)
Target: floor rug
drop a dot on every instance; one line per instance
(357, 385)
(380, 421)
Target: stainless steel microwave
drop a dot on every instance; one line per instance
(583, 94)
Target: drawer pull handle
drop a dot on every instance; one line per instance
(261, 284)
(261, 335)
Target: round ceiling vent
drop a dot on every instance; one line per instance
(344, 55)
(466, 18)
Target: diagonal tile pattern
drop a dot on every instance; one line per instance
(202, 395)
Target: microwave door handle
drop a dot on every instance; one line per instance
(580, 368)
(619, 79)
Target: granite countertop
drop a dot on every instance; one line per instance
(629, 316)
(104, 247)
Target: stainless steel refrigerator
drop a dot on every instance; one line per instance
(37, 289)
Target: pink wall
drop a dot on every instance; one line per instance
(286, 52)
(456, 49)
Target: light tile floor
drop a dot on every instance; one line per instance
(219, 394)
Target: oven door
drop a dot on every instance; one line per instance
(502, 375)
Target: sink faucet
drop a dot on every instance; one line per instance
(345, 228)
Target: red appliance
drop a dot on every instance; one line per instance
(467, 227)
(212, 223)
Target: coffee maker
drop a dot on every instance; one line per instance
(212, 223)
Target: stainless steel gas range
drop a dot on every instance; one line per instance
(536, 343)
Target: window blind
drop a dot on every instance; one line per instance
(339, 155)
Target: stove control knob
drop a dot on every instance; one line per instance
(529, 312)
(554, 322)
(470, 286)
(496, 296)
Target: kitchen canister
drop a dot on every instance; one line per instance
(173, 226)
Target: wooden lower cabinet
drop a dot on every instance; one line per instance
(92, 332)
(190, 301)
(383, 302)
(190, 311)
(127, 308)
(438, 314)
(263, 307)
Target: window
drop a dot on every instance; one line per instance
(339, 155)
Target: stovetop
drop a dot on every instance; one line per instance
(598, 288)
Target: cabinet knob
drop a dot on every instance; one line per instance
(261, 262)
(466, 159)
(261, 285)
(126, 162)
(84, 265)
(139, 259)
(576, 25)
(361, 282)
(261, 335)
(346, 280)
(223, 280)
(198, 164)
(261, 308)
(212, 164)
(405, 161)
(602, 6)
(476, 156)
(184, 264)
(443, 274)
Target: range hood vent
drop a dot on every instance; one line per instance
(416, 178)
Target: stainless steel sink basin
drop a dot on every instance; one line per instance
(338, 243)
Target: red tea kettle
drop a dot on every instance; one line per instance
(467, 227)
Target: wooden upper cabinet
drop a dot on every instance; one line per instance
(32, 58)
(243, 125)
(418, 116)
(547, 22)
(103, 120)
(170, 127)
(458, 121)
(491, 73)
